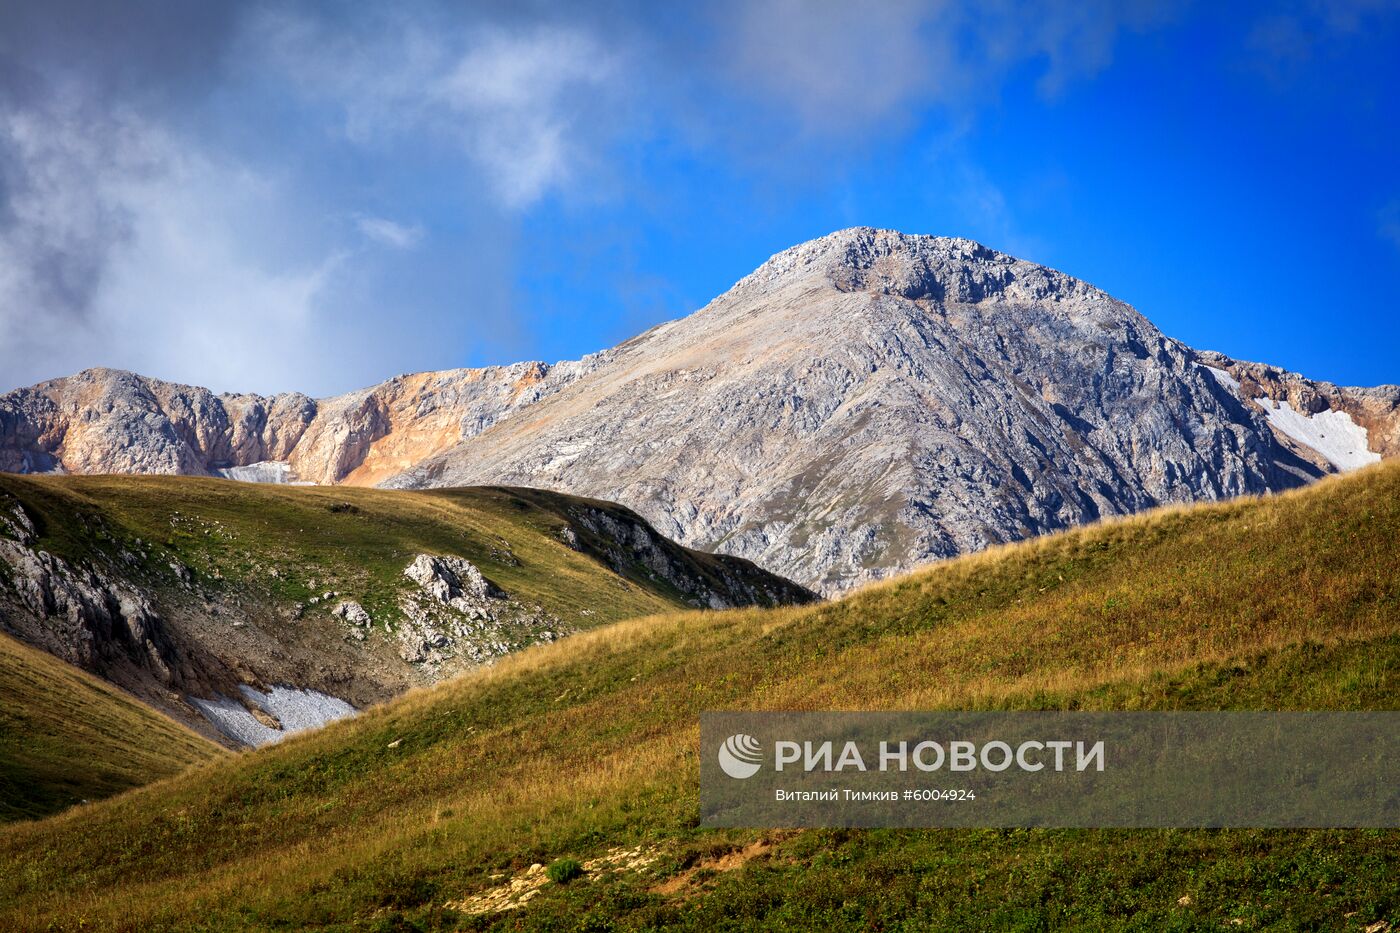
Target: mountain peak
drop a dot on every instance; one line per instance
(916, 267)
(859, 404)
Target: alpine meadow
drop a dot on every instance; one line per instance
(755, 465)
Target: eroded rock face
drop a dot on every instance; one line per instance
(110, 421)
(1375, 409)
(89, 618)
(456, 612)
(451, 578)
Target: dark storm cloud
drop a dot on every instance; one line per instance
(66, 67)
(162, 49)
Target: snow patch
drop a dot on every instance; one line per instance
(297, 710)
(266, 471)
(1224, 378)
(1331, 433)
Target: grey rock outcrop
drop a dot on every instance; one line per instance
(452, 579)
(456, 612)
(870, 401)
(354, 614)
(81, 614)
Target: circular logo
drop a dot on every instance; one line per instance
(740, 755)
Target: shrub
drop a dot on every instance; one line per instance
(564, 870)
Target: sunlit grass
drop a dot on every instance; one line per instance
(289, 544)
(1290, 602)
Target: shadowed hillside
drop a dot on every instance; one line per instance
(66, 736)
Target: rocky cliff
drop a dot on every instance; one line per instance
(1368, 416)
(111, 421)
(858, 405)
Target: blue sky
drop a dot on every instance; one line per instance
(271, 196)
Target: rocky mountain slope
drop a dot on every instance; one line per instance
(111, 421)
(1369, 417)
(858, 405)
(246, 611)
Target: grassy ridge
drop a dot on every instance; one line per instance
(288, 544)
(66, 736)
(263, 549)
(1287, 603)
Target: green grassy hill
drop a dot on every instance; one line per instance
(429, 812)
(66, 736)
(237, 583)
(291, 543)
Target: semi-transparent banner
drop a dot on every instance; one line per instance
(1262, 770)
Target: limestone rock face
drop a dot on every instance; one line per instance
(354, 613)
(1376, 410)
(449, 578)
(110, 421)
(858, 405)
(92, 619)
(457, 612)
(870, 401)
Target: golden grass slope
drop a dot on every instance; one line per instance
(66, 736)
(575, 748)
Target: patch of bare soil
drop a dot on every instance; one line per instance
(729, 861)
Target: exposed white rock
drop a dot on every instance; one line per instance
(296, 711)
(1331, 433)
(353, 612)
(267, 471)
(449, 578)
(456, 612)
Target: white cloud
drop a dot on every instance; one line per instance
(521, 104)
(520, 96)
(195, 301)
(125, 247)
(389, 232)
(841, 68)
(835, 65)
